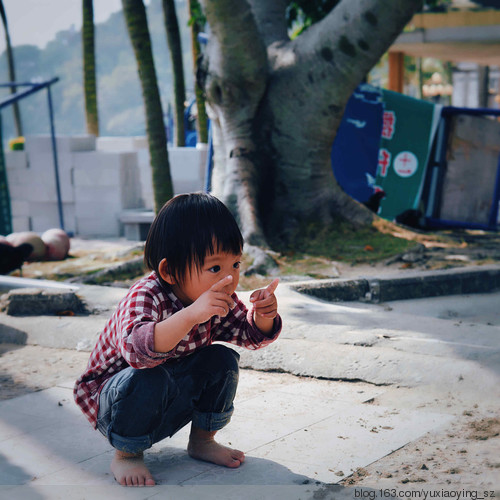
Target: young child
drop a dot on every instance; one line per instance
(154, 368)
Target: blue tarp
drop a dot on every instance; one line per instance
(356, 146)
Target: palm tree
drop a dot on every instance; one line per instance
(12, 70)
(89, 73)
(137, 25)
(196, 20)
(175, 49)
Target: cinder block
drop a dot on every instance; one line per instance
(189, 186)
(98, 194)
(42, 173)
(32, 192)
(76, 143)
(184, 163)
(43, 221)
(98, 227)
(146, 178)
(121, 144)
(20, 208)
(16, 176)
(30, 177)
(36, 144)
(115, 144)
(15, 159)
(137, 146)
(47, 193)
(130, 181)
(44, 162)
(140, 142)
(46, 216)
(96, 209)
(20, 223)
(96, 176)
(98, 168)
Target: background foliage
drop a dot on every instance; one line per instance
(119, 93)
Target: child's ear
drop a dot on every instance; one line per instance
(163, 270)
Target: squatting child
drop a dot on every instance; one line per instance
(154, 368)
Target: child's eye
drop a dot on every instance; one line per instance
(236, 265)
(214, 269)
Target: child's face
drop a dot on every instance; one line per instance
(198, 281)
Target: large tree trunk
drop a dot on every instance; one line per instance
(175, 49)
(89, 70)
(135, 16)
(277, 104)
(12, 70)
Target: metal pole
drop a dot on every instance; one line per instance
(56, 165)
(209, 164)
(495, 206)
(5, 208)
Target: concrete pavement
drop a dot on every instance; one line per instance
(383, 375)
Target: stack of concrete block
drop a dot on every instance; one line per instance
(16, 165)
(105, 185)
(139, 145)
(32, 182)
(96, 186)
(187, 165)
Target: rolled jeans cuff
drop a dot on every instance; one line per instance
(130, 444)
(211, 421)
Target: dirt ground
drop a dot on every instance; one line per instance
(463, 456)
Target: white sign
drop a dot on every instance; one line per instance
(405, 164)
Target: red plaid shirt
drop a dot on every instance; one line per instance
(128, 338)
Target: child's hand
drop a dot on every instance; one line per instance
(264, 300)
(214, 302)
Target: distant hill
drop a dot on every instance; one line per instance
(119, 97)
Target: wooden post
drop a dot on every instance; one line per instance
(396, 71)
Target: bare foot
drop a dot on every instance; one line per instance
(129, 469)
(202, 446)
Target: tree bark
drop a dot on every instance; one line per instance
(175, 49)
(135, 16)
(89, 70)
(12, 71)
(278, 104)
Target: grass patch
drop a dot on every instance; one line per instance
(344, 242)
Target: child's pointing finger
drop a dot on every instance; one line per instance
(265, 292)
(218, 287)
(271, 288)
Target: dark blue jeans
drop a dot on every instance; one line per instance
(140, 407)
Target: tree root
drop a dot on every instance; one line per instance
(263, 263)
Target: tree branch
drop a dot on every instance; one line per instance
(270, 19)
(331, 58)
(237, 59)
(357, 33)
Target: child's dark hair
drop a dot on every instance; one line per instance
(187, 229)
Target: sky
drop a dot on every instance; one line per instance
(36, 22)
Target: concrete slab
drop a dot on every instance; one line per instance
(409, 342)
(293, 434)
(401, 342)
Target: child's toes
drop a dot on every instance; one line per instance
(238, 455)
